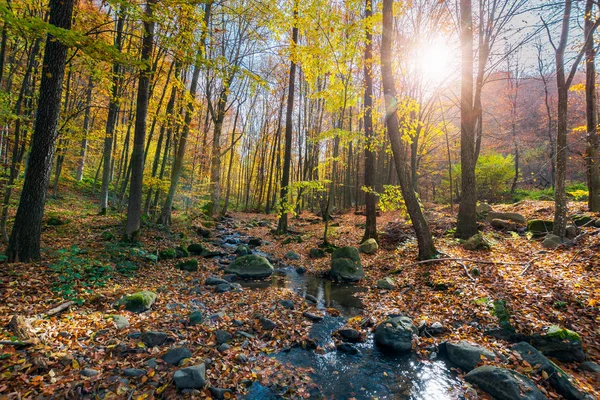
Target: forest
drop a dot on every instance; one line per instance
(285, 199)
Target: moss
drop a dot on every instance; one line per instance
(477, 242)
(107, 235)
(346, 252)
(181, 252)
(563, 334)
(189, 265)
(167, 254)
(501, 313)
(137, 302)
(582, 219)
(539, 225)
(55, 221)
(195, 248)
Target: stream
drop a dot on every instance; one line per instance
(367, 375)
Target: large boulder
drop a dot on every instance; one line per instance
(395, 334)
(345, 265)
(369, 246)
(558, 379)
(137, 302)
(514, 217)
(552, 242)
(191, 377)
(539, 227)
(562, 344)
(466, 355)
(250, 267)
(504, 384)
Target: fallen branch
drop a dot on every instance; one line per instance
(58, 309)
(529, 264)
(459, 260)
(466, 271)
(17, 343)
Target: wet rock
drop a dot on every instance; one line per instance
(311, 298)
(466, 355)
(345, 265)
(289, 304)
(213, 281)
(230, 278)
(190, 377)
(347, 348)
(267, 324)
(196, 317)
(434, 329)
(152, 363)
(246, 334)
(120, 321)
(292, 255)
(137, 302)
(369, 246)
(222, 288)
(222, 336)
(223, 348)
(250, 267)
(504, 384)
(590, 366)
(88, 372)
(189, 265)
(133, 372)
(153, 339)
(349, 335)
(562, 344)
(316, 253)
(242, 250)
(219, 393)
(386, 283)
(558, 379)
(254, 241)
(176, 355)
(395, 334)
(477, 242)
(313, 317)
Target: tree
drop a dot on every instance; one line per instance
(134, 208)
(425, 240)
(287, 158)
(370, 196)
(24, 242)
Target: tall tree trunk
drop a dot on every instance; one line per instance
(134, 208)
(111, 119)
(24, 242)
(593, 160)
(425, 240)
(370, 196)
(282, 225)
(467, 218)
(86, 128)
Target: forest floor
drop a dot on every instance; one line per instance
(557, 287)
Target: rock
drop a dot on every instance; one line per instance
(242, 250)
(514, 217)
(55, 221)
(181, 252)
(539, 227)
(222, 336)
(434, 329)
(477, 242)
(254, 241)
(349, 335)
(250, 267)
(137, 302)
(311, 298)
(176, 355)
(292, 255)
(562, 344)
(466, 355)
(167, 254)
(222, 288)
(219, 394)
(190, 377)
(196, 317)
(213, 281)
(300, 270)
(386, 283)
(196, 248)
(345, 265)
(153, 339)
(558, 379)
(483, 209)
(313, 317)
(289, 304)
(395, 334)
(502, 225)
(133, 372)
(120, 321)
(203, 232)
(223, 347)
(88, 372)
(590, 367)
(552, 241)
(316, 253)
(213, 254)
(571, 231)
(189, 265)
(369, 246)
(347, 348)
(504, 384)
(241, 358)
(267, 324)
(582, 219)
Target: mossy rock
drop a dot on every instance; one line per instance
(55, 221)
(137, 302)
(250, 267)
(189, 265)
(167, 254)
(582, 219)
(316, 253)
(196, 317)
(181, 252)
(346, 252)
(369, 246)
(514, 217)
(539, 227)
(196, 248)
(563, 334)
(345, 265)
(477, 242)
(293, 239)
(502, 314)
(242, 250)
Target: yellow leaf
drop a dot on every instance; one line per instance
(75, 364)
(544, 374)
(161, 389)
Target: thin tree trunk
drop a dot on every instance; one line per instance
(593, 160)
(86, 129)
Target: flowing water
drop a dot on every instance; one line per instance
(367, 375)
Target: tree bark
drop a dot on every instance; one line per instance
(592, 158)
(24, 242)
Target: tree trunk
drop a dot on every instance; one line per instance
(24, 242)
(86, 129)
(370, 196)
(134, 209)
(467, 218)
(593, 160)
(425, 240)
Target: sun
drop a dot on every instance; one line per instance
(435, 61)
